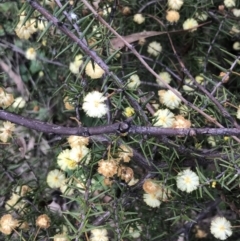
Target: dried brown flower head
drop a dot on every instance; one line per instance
(107, 168)
(107, 181)
(163, 193)
(125, 173)
(24, 226)
(7, 224)
(225, 79)
(43, 221)
(126, 10)
(78, 141)
(181, 122)
(150, 187)
(125, 153)
(60, 237)
(68, 105)
(172, 16)
(141, 41)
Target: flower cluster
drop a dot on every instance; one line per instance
(69, 159)
(114, 166)
(6, 99)
(189, 83)
(155, 193)
(25, 30)
(16, 202)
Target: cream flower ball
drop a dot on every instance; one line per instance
(190, 24)
(80, 153)
(133, 181)
(31, 54)
(187, 181)
(236, 45)
(6, 99)
(230, 3)
(25, 31)
(75, 65)
(164, 76)
(169, 99)
(6, 131)
(151, 200)
(238, 112)
(94, 71)
(236, 12)
(60, 237)
(93, 104)
(19, 102)
(99, 235)
(175, 4)
(189, 82)
(135, 232)
(154, 48)
(201, 16)
(65, 162)
(56, 178)
(221, 228)
(133, 82)
(172, 16)
(163, 118)
(138, 18)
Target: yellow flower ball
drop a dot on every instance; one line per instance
(94, 71)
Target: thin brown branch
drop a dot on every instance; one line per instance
(113, 128)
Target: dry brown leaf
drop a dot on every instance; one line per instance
(117, 43)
